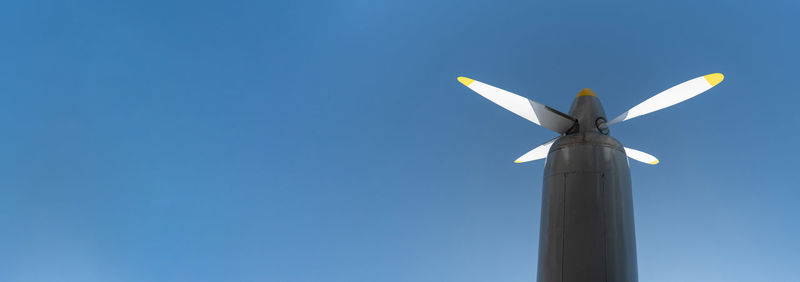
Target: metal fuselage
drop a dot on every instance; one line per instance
(587, 230)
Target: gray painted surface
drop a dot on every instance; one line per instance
(587, 228)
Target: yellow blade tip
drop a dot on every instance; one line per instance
(517, 162)
(654, 162)
(465, 80)
(586, 92)
(714, 78)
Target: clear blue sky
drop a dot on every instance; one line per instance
(330, 141)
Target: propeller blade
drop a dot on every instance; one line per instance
(537, 153)
(531, 110)
(672, 96)
(640, 156)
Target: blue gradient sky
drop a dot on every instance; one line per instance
(330, 141)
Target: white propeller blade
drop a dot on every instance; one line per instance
(537, 153)
(524, 107)
(672, 96)
(640, 156)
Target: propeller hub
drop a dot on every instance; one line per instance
(586, 108)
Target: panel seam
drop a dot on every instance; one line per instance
(605, 224)
(564, 228)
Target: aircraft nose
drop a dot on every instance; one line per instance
(586, 92)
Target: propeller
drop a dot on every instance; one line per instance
(640, 156)
(672, 96)
(561, 123)
(531, 110)
(537, 153)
